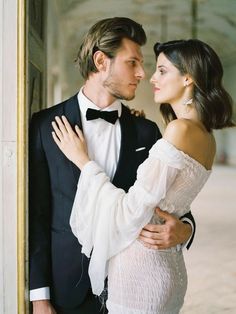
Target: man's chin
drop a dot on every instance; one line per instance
(129, 97)
(124, 97)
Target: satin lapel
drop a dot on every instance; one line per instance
(72, 113)
(127, 149)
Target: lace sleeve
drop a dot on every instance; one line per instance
(107, 220)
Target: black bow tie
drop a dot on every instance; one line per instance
(109, 116)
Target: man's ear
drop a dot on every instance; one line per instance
(100, 60)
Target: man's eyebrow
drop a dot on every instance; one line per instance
(136, 58)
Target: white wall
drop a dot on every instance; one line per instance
(8, 138)
(230, 84)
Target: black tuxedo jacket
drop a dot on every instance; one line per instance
(55, 254)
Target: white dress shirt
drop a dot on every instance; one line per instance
(103, 138)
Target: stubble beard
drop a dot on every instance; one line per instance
(115, 88)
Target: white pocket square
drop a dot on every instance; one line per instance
(140, 148)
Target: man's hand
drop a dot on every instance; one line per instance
(168, 235)
(43, 307)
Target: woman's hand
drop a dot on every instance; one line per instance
(70, 142)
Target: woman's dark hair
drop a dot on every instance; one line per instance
(194, 57)
(106, 35)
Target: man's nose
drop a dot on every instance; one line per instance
(140, 72)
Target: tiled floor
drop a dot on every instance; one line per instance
(211, 261)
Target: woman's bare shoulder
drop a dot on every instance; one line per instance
(193, 139)
(177, 132)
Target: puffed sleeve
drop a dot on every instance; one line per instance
(106, 220)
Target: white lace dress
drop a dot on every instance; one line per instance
(107, 222)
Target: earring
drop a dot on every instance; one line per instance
(188, 102)
(185, 84)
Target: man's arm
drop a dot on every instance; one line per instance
(173, 232)
(39, 222)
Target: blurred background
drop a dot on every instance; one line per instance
(55, 33)
(56, 29)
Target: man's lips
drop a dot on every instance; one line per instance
(134, 85)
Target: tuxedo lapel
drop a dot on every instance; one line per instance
(72, 112)
(124, 170)
(73, 115)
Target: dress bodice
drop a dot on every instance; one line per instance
(187, 184)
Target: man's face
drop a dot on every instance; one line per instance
(125, 71)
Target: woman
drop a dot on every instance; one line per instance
(107, 221)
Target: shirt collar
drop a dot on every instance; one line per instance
(85, 103)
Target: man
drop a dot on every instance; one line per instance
(111, 63)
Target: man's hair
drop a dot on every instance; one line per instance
(106, 36)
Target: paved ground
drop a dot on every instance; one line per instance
(211, 261)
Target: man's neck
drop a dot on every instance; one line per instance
(95, 92)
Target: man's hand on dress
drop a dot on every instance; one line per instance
(43, 307)
(168, 235)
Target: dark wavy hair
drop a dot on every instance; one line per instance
(106, 35)
(196, 58)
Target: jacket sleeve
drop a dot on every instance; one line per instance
(189, 219)
(39, 210)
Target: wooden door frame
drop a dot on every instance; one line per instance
(22, 171)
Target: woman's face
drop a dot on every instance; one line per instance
(169, 84)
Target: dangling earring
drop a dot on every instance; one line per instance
(188, 102)
(186, 105)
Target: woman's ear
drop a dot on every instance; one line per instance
(187, 80)
(100, 60)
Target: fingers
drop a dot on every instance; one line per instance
(61, 126)
(152, 235)
(151, 228)
(57, 131)
(57, 141)
(155, 236)
(151, 244)
(79, 133)
(164, 215)
(67, 125)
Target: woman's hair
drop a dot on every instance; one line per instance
(106, 35)
(194, 57)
